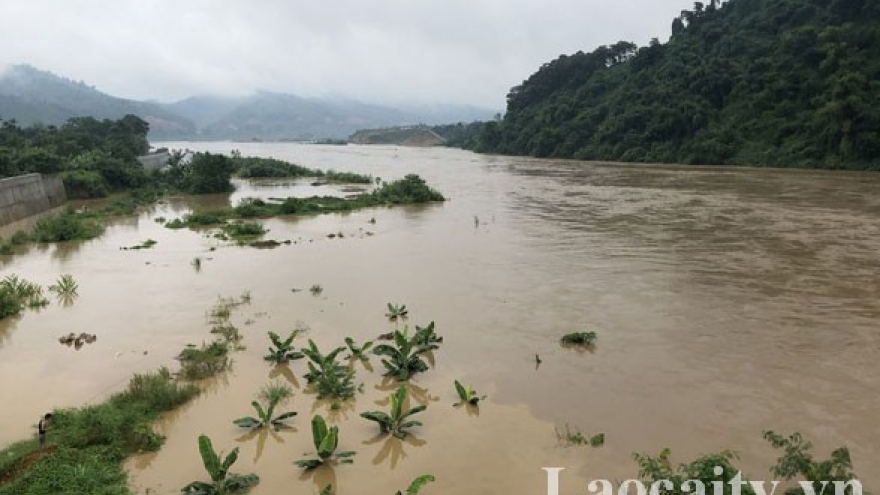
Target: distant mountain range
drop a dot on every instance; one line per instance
(31, 96)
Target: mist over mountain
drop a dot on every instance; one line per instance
(32, 96)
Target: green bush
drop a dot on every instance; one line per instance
(84, 184)
(66, 226)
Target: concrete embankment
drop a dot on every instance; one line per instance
(27, 195)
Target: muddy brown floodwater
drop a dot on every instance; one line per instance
(726, 302)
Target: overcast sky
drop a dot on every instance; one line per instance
(381, 51)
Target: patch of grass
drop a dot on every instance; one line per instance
(243, 230)
(144, 245)
(409, 190)
(87, 445)
(347, 177)
(569, 437)
(197, 363)
(579, 338)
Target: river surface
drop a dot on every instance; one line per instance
(726, 302)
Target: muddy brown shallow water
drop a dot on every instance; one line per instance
(726, 301)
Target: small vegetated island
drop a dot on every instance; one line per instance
(97, 159)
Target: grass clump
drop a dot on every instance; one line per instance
(579, 339)
(569, 437)
(243, 230)
(197, 363)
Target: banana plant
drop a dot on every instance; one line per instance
(330, 378)
(416, 486)
(427, 335)
(467, 394)
(265, 416)
(325, 440)
(397, 421)
(358, 352)
(396, 311)
(222, 481)
(283, 351)
(404, 357)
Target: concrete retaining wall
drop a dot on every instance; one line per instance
(26, 195)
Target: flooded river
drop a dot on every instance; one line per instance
(726, 302)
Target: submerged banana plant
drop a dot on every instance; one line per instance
(283, 351)
(358, 352)
(416, 486)
(396, 311)
(222, 481)
(330, 378)
(427, 335)
(396, 422)
(579, 339)
(404, 357)
(325, 440)
(467, 394)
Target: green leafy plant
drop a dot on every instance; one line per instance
(273, 395)
(326, 441)
(329, 377)
(397, 421)
(316, 289)
(798, 461)
(652, 469)
(222, 481)
(283, 351)
(358, 352)
(467, 394)
(417, 484)
(570, 437)
(404, 357)
(396, 311)
(427, 335)
(579, 338)
(65, 286)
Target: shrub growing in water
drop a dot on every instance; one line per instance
(66, 226)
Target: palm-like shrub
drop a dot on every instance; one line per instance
(397, 420)
(282, 351)
(396, 311)
(222, 481)
(404, 357)
(358, 352)
(325, 440)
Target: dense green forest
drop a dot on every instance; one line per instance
(786, 83)
(98, 157)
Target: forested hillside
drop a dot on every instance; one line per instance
(752, 82)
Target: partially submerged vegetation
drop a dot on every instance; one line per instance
(576, 437)
(412, 189)
(396, 421)
(16, 294)
(326, 440)
(222, 481)
(579, 339)
(256, 167)
(272, 395)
